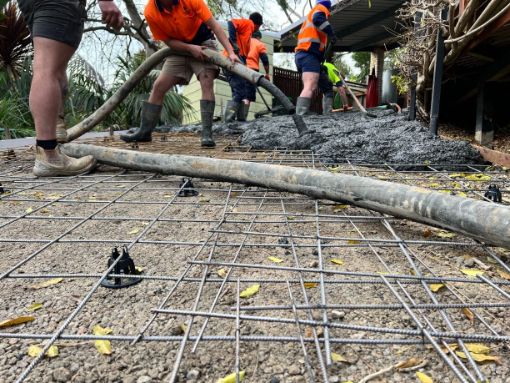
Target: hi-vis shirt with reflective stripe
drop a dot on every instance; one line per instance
(309, 33)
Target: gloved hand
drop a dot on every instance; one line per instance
(267, 77)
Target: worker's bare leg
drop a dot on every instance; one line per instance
(49, 67)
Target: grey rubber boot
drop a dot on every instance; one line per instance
(150, 118)
(303, 105)
(231, 110)
(207, 114)
(327, 104)
(242, 112)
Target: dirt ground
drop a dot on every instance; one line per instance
(66, 228)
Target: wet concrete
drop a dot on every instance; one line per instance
(389, 138)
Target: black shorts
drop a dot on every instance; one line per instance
(60, 20)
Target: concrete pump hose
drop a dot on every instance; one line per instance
(484, 221)
(144, 69)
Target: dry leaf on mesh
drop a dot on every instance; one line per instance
(134, 231)
(411, 362)
(471, 272)
(445, 234)
(310, 285)
(48, 283)
(480, 358)
(424, 378)
(275, 259)
(103, 346)
(222, 273)
(34, 306)
(34, 351)
(231, 378)
(337, 261)
(250, 291)
(435, 287)
(339, 358)
(469, 315)
(16, 321)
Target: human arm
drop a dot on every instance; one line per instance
(265, 62)
(232, 36)
(320, 21)
(222, 37)
(111, 14)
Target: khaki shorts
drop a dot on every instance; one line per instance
(185, 66)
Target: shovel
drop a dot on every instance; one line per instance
(358, 104)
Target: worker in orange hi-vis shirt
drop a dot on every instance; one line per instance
(188, 26)
(240, 31)
(258, 52)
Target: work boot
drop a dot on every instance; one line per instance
(207, 114)
(150, 118)
(231, 110)
(242, 112)
(327, 104)
(54, 163)
(61, 130)
(303, 105)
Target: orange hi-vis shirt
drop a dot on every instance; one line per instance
(257, 48)
(309, 33)
(181, 23)
(244, 30)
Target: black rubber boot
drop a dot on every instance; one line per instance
(150, 118)
(231, 110)
(303, 105)
(207, 113)
(242, 112)
(327, 105)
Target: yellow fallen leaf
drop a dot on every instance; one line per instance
(168, 196)
(16, 321)
(291, 217)
(44, 211)
(49, 282)
(445, 234)
(339, 208)
(338, 358)
(411, 362)
(471, 272)
(222, 273)
(435, 287)
(183, 327)
(232, 377)
(480, 358)
(478, 348)
(275, 259)
(250, 291)
(452, 346)
(478, 177)
(34, 306)
(424, 378)
(337, 261)
(98, 330)
(34, 351)
(204, 199)
(29, 210)
(457, 175)
(310, 285)
(353, 242)
(139, 269)
(469, 314)
(462, 194)
(504, 275)
(103, 346)
(434, 185)
(134, 231)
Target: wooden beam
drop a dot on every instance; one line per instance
(438, 76)
(484, 134)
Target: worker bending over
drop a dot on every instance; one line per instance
(312, 39)
(186, 26)
(258, 52)
(328, 78)
(240, 32)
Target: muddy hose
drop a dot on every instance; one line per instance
(484, 221)
(144, 69)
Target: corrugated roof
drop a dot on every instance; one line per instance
(358, 26)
